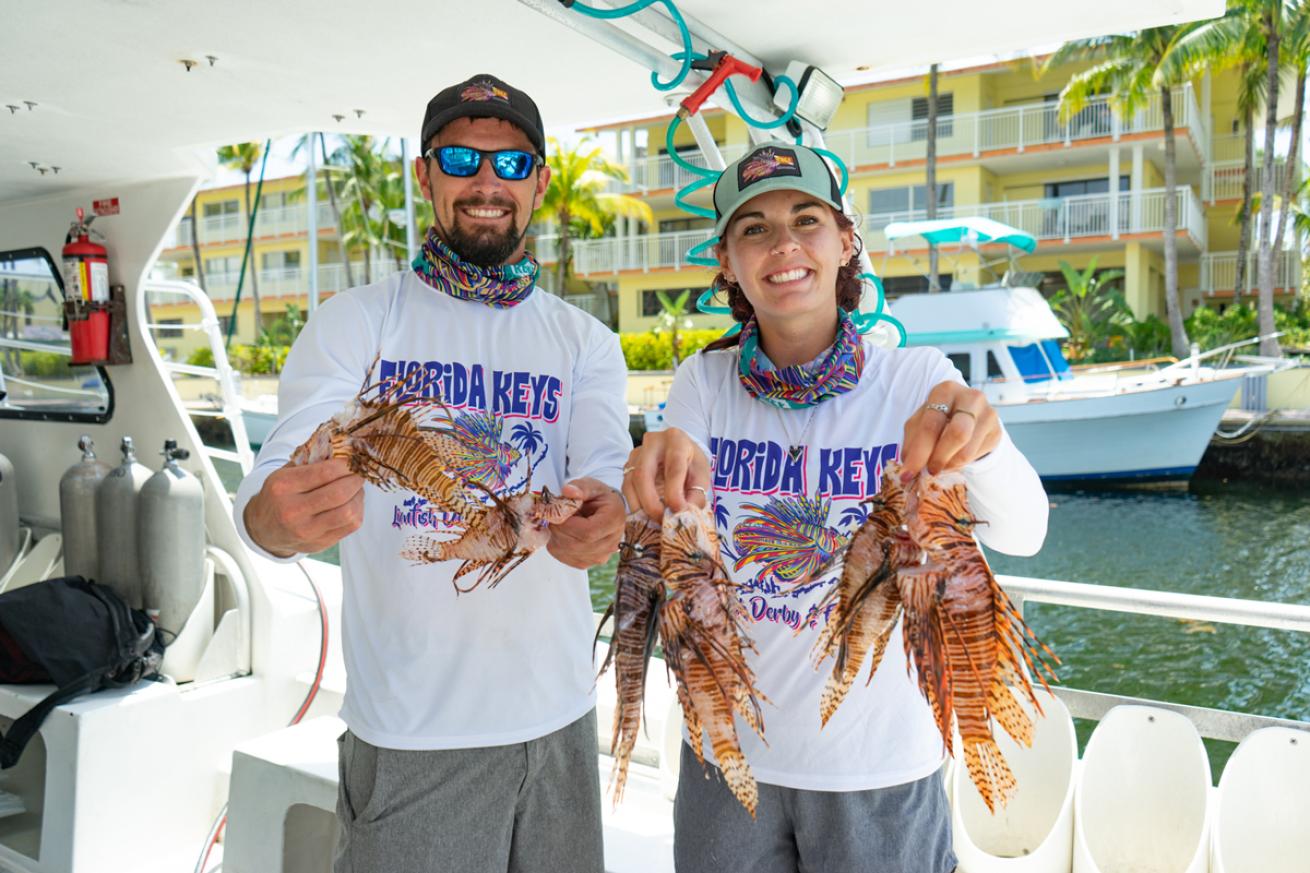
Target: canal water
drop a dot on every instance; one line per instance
(1223, 542)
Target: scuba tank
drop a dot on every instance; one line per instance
(171, 540)
(116, 525)
(10, 535)
(77, 512)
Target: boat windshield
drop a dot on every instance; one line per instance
(1040, 361)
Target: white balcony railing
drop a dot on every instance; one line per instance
(1064, 219)
(1009, 128)
(269, 222)
(1219, 272)
(293, 281)
(645, 252)
(1223, 179)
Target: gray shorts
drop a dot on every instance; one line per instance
(529, 807)
(900, 829)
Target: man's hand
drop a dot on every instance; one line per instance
(938, 439)
(306, 508)
(592, 534)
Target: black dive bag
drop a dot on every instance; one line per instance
(76, 634)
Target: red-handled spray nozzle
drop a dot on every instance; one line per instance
(721, 65)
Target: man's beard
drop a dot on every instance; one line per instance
(485, 247)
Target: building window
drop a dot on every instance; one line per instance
(226, 268)
(226, 321)
(650, 300)
(170, 332)
(994, 370)
(272, 200)
(895, 286)
(221, 207)
(280, 261)
(914, 198)
(676, 225)
(1079, 187)
(945, 119)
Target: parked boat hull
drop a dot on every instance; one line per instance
(1143, 436)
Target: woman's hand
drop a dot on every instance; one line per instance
(956, 426)
(667, 469)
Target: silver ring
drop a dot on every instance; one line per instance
(699, 488)
(943, 408)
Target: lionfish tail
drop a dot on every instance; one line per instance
(990, 772)
(741, 782)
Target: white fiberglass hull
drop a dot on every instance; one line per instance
(1146, 435)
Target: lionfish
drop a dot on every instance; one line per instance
(700, 625)
(791, 538)
(916, 553)
(381, 442)
(638, 595)
(496, 538)
(702, 629)
(471, 447)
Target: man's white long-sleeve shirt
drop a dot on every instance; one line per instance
(540, 386)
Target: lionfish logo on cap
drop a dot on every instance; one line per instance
(767, 163)
(482, 91)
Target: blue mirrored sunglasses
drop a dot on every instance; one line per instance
(463, 161)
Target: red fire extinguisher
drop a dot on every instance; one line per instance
(86, 288)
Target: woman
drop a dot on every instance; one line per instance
(800, 415)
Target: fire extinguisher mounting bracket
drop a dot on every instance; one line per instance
(78, 312)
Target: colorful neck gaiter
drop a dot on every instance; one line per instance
(499, 287)
(798, 387)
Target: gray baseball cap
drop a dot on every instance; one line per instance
(773, 167)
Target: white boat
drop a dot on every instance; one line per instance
(138, 779)
(1118, 423)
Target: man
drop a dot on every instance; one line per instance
(471, 742)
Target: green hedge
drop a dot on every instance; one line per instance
(261, 360)
(654, 351)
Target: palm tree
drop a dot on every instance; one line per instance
(1127, 67)
(1269, 14)
(371, 185)
(329, 171)
(577, 178)
(1296, 52)
(195, 248)
(243, 156)
(930, 169)
(1089, 309)
(1232, 40)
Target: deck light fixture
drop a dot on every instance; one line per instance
(820, 95)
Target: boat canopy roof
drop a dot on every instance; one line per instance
(118, 103)
(1017, 316)
(974, 230)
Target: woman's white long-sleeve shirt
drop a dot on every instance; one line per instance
(788, 486)
(428, 668)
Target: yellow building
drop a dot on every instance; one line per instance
(278, 265)
(1089, 188)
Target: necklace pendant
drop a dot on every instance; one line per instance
(795, 453)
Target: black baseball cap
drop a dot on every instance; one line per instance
(484, 96)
